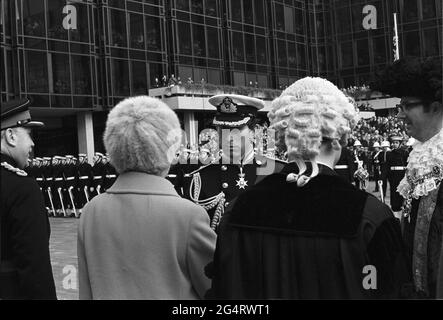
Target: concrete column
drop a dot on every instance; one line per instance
(85, 133)
(191, 128)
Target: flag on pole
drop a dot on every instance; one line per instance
(396, 40)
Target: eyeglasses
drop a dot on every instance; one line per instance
(402, 107)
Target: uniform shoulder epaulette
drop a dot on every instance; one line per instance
(17, 171)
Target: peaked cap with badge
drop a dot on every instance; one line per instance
(234, 110)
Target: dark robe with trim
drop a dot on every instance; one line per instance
(279, 241)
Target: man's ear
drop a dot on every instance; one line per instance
(11, 137)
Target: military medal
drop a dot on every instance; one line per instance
(241, 182)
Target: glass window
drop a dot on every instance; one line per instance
(197, 6)
(139, 81)
(236, 10)
(279, 17)
(60, 73)
(9, 64)
(82, 32)
(379, 48)
(431, 42)
(412, 43)
(184, 38)
(55, 20)
(362, 52)
(155, 72)
(259, 12)
(118, 28)
(182, 5)
(120, 77)
(357, 17)
(239, 79)
(136, 31)
(347, 57)
(213, 45)
(301, 56)
(410, 10)
(320, 24)
(153, 33)
(282, 54)
(34, 17)
(429, 10)
(199, 75)
(81, 74)
(248, 12)
(299, 25)
(261, 50)
(199, 43)
(292, 55)
(321, 59)
(343, 20)
(262, 81)
(211, 7)
(289, 19)
(237, 46)
(3, 74)
(37, 71)
(250, 48)
(214, 76)
(185, 73)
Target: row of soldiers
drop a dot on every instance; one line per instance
(68, 183)
(387, 163)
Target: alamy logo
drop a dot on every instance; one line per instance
(70, 280)
(70, 21)
(370, 280)
(370, 20)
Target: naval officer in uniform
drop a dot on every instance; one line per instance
(235, 169)
(25, 264)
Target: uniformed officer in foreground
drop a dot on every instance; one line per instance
(216, 183)
(25, 264)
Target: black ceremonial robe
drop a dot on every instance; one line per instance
(279, 241)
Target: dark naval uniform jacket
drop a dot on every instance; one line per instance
(215, 185)
(279, 241)
(25, 269)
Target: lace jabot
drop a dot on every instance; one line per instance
(425, 168)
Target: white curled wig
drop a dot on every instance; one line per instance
(306, 112)
(142, 134)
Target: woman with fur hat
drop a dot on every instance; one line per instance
(140, 239)
(305, 233)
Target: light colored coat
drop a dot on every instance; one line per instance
(140, 240)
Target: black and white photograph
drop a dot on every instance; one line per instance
(221, 154)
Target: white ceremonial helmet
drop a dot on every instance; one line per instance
(385, 144)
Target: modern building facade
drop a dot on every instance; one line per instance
(77, 58)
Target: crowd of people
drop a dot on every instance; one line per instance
(243, 226)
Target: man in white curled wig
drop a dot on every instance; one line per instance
(304, 232)
(140, 239)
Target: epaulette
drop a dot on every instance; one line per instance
(17, 171)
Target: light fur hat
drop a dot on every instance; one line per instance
(142, 134)
(307, 111)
